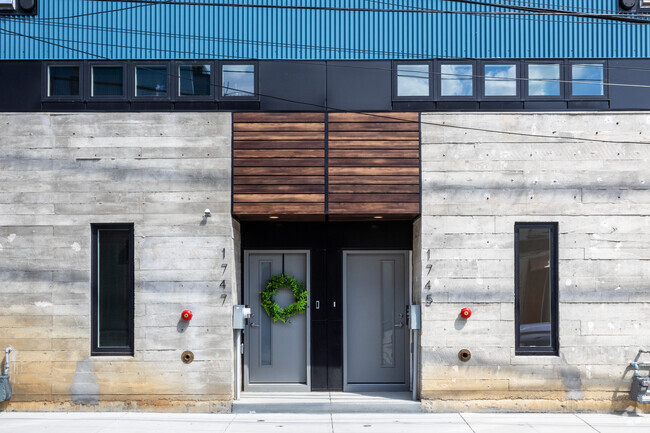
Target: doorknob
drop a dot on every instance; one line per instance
(254, 325)
(399, 325)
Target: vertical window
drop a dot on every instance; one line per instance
(500, 80)
(413, 80)
(456, 80)
(107, 81)
(194, 80)
(238, 80)
(587, 79)
(151, 80)
(536, 289)
(112, 289)
(63, 81)
(544, 79)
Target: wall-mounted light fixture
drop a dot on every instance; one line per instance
(273, 217)
(207, 213)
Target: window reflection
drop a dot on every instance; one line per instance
(194, 80)
(63, 81)
(500, 80)
(151, 81)
(456, 80)
(412, 80)
(534, 287)
(107, 81)
(238, 80)
(544, 80)
(587, 79)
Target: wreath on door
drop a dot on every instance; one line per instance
(277, 282)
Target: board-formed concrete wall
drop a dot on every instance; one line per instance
(481, 173)
(61, 172)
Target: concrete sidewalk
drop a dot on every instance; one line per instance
(12, 422)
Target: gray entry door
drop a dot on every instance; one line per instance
(276, 354)
(376, 332)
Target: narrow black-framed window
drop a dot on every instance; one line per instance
(536, 289)
(112, 289)
(587, 80)
(195, 80)
(456, 81)
(412, 81)
(238, 81)
(63, 81)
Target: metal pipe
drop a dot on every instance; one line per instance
(7, 350)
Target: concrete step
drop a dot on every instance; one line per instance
(326, 402)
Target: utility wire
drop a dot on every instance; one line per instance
(378, 115)
(518, 10)
(301, 46)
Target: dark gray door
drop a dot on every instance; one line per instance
(376, 332)
(276, 356)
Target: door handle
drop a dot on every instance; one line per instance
(254, 325)
(399, 325)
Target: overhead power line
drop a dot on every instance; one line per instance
(512, 9)
(397, 56)
(378, 115)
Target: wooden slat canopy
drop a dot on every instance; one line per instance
(304, 166)
(279, 165)
(373, 165)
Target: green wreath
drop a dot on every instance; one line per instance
(275, 283)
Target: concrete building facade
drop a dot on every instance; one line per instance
(504, 194)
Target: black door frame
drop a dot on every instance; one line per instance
(326, 242)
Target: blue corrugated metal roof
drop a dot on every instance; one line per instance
(185, 32)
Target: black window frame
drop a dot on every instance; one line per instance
(176, 76)
(133, 82)
(482, 76)
(554, 348)
(95, 349)
(256, 81)
(125, 80)
(45, 89)
(569, 74)
(428, 63)
(526, 78)
(438, 84)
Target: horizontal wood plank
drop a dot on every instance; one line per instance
(373, 171)
(279, 171)
(374, 198)
(278, 117)
(275, 127)
(374, 208)
(279, 180)
(374, 144)
(373, 117)
(371, 126)
(374, 162)
(281, 189)
(375, 180)
(278, 208)
(374, 135)
(367, 153)
(279, 162)
(373, 189)
(280, 153)
(265, 144)
(269, 136)
(279, 198)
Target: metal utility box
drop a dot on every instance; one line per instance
(640, 391)
(239, 315)
(415, 317)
